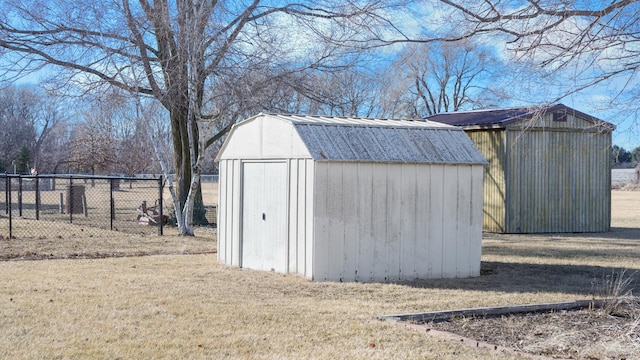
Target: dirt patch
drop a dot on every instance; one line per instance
(578, 334)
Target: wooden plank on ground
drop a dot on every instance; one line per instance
(446, 315)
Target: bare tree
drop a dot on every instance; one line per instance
(93, 147)
(48, 116)
(435, 77)
(54, 155)
(16, 125)
(589, 42)
(179, 52)
(349, 91)
(133, 150)
(27, 118)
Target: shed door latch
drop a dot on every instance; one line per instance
(264, 216)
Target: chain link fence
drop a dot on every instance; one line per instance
(133, 205)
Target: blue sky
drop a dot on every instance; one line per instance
(626, 135)
(425, 17)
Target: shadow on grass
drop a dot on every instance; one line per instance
(620, 233)
(616, 233)
(615, 246)
(551, 263)
(581, 280)
(581, 255)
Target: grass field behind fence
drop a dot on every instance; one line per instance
(94, 209)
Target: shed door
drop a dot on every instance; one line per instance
(264, 221)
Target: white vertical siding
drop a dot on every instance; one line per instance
(321, 224)
(379, 222)
(222, 213)
(234, 223)
(394, 215)
(463, 223)
(423, 251)
(295, 202)
(380, 216)
(450, 208)
(350, 185)
(435, 219)
(334, 246)
(309, 216)
(477, 219)
(229, 213)
(265, 216)
(299, 209)
(300, 216)
(364, 205)
(388, 222)
(410, 242)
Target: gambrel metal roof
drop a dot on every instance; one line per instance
(377, 140)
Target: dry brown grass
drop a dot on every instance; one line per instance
(189, 306)
(62, 240)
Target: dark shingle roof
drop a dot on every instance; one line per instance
(502, 117)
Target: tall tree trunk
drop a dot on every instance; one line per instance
(183, 169)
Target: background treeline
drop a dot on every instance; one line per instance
(622, 158)
(57, 130)
(58, 134)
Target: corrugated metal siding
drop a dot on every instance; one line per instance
(491, 145)
(546, 121)
(558, 181)
(387, 222)
(388, 144)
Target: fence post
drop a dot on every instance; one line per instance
(161, 222)
(6, 194)
(111, 204)
(37, 180)
(20, 195)
(70, 200)
(9, 204)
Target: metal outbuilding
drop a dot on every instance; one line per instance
(346, 199)
(549, 168)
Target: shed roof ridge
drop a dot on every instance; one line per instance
(431, 125)
(336, 117)
(497, 109)
(355, 121)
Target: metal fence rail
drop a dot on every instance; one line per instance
(113, 203)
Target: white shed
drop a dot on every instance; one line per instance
(346, 199)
